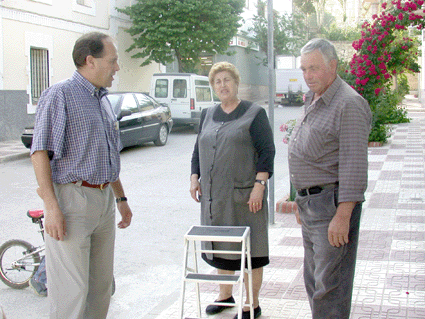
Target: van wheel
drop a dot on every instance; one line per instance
(162, 138)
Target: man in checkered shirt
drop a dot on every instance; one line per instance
(75, 154)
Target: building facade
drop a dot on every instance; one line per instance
(36, 42)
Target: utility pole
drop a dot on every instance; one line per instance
(270, 58)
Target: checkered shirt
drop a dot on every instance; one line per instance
(75, 121)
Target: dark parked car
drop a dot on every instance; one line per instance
(142, 119)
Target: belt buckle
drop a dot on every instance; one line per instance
(102, 186)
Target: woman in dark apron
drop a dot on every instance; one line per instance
(231, 163)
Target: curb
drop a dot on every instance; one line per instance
(285, 206)
(14, 157)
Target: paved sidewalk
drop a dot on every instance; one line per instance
(390, 273)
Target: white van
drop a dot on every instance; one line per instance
(185, 93)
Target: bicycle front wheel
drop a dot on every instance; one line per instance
(17, 263)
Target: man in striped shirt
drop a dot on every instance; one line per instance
(328, 167)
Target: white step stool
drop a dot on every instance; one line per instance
(218, 234)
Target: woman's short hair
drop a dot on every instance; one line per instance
(88, 44)
(325, 47)
(224, 66)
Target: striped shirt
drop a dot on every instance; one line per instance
(329, 142)
(75, 122)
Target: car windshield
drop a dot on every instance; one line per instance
(114, 99)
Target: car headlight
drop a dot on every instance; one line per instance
(29, 131)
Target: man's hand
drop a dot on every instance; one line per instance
(126, 214)
(339, 226)
(54, 223)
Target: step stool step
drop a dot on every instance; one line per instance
(216, 233)
(213, 278)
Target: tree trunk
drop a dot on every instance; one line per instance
(319, 5)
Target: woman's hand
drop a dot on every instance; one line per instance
(195, 188)
(255, 202)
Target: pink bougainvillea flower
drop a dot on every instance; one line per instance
(364, 81)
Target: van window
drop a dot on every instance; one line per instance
(179, 88)
(161, 88)
(203, 94)
(202, 82)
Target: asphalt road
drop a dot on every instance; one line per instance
(149, 254)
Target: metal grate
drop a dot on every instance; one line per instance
(39, 73)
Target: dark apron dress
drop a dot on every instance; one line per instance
(228, 171)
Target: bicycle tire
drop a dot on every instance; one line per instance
(17, 276)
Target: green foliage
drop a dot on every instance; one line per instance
(379, 132)
(335, 33)
(289, 32)
(305, 6)
(384, 53)
(163, 30)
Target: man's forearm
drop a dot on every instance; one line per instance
(43, 172)
(118, 188)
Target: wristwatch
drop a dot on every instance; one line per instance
(261, 182)
(121, 199)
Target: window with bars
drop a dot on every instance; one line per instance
(39, 73)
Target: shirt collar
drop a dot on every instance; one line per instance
(88, 86)
(329, 93)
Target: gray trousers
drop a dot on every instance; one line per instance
(80, 268)
(328, 270)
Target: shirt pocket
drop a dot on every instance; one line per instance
(317, 141)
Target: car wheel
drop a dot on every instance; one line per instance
(162, 136)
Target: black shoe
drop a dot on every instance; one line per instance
(246, 314)
(213, 309)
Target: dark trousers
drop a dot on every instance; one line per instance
(328, 270)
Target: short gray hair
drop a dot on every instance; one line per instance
(325, 47)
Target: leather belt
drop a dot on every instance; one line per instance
(100, 186)
(315, 189)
